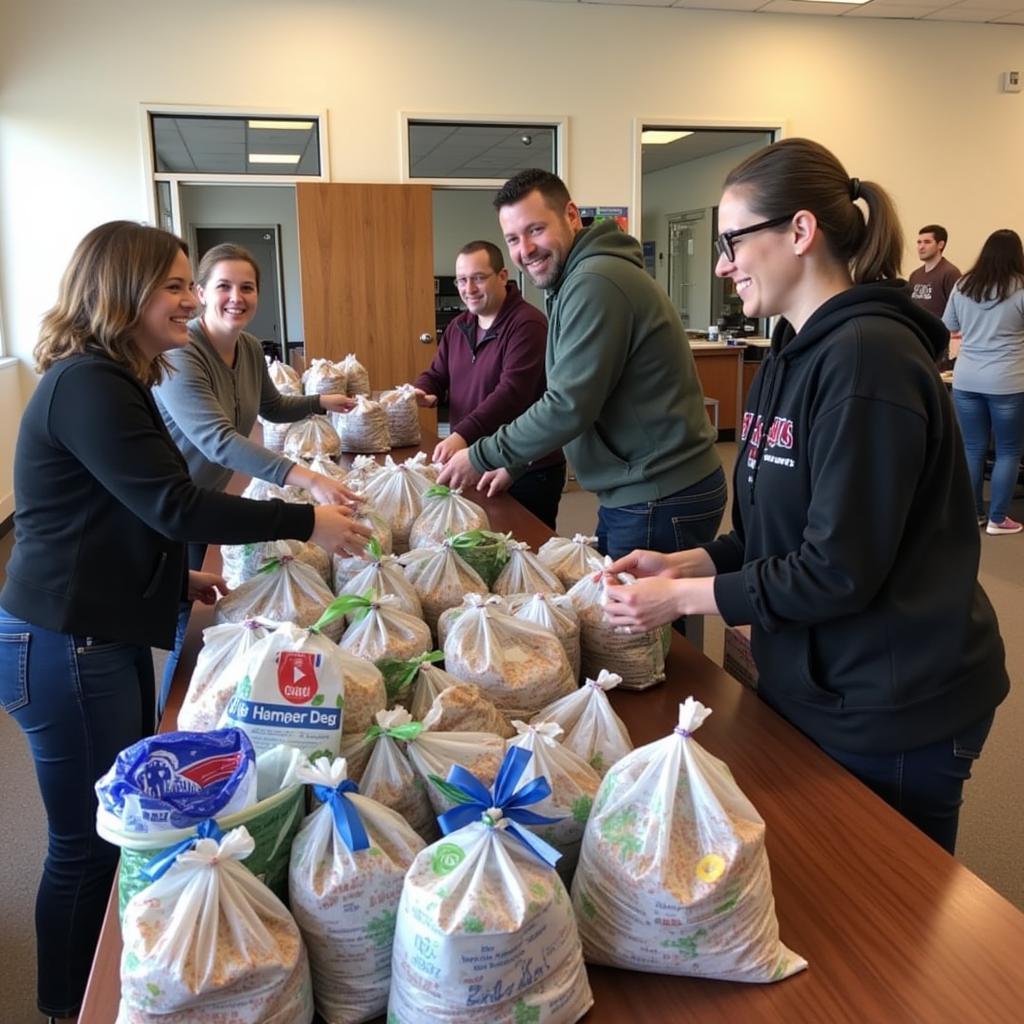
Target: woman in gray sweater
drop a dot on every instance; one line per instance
(218, 385)
(987, 307)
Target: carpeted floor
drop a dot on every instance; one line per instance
(991, 833)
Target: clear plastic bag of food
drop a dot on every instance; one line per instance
(274, 434)
(325, 378)
(397, 496)
(525, 573)
(573, 783)
(638, 657)
(403, 416)
(463, 707)
(485, 934)
(208, 942)
(446, 619)
(400, 675)
(345, 566)
(378, 762)
(445, 513)
(356, 375)
(571, 560)
(432, 752)
(379, 630)
(175, 780)
(429, 681)
(211, 685)
(364, 428)
(518, 665)
(425, 473)
(592, 728)
(241, 562)
(312, 436)
(484, 551)
(284, 590)
(263, 490)
(381, 575)
(284, 377)
(362, 468)
(326, 466)
(556, 613)
(673, 875)
(440, 578)
(348, 864)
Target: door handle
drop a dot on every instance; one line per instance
(426, 338)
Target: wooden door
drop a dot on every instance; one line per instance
(366, 254)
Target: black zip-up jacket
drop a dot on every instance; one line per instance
(104, 505)
(854, 551)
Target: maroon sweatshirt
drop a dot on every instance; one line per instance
(491, 381)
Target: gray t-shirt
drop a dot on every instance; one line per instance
(210, 408)
(991, 359)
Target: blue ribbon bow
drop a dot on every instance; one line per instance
(346, 818)
(158, 866)
(474, 802)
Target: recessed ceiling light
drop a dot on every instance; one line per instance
(298, 126)
(661, 136)
(274, 158)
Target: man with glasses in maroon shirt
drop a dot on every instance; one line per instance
(490, 368)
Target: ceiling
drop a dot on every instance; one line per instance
(999, 12)
(453, 150)
(703, 142)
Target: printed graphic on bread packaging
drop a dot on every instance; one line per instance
(291, 691)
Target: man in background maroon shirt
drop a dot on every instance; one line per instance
(933, 281)
(490, 367)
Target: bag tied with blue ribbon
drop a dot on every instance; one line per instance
(485, 931)
(348, 863)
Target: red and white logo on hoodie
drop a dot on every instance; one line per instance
(780, 435)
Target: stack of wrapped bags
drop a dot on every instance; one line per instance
(390, 777)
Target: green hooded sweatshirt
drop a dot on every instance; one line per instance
(623, 397)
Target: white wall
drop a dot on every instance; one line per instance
(10, 414)
(461, 216)
(230, 206)
(71, 144)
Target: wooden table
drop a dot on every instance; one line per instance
(895, 930)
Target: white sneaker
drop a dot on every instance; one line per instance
(1008, 525)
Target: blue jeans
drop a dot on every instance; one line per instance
(196, 557)
(924, 785)
(1002, 415)
(79, 701)
(686, 519)
(539, 491)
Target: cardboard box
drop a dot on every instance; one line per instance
(737, 659)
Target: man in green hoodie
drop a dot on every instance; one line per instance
(623, 397)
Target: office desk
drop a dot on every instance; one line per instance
(894, 929)
(720, 369)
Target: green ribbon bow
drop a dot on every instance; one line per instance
(399, 674)
(347, 604)
(409, 731)
(437, 491)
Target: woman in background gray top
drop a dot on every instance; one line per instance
(987, 307)
(218, 386)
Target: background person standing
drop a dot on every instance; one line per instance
(987, 307)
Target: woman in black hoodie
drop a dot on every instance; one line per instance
(854, 549)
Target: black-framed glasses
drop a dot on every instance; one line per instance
(723, 243)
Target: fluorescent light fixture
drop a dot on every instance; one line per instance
(661, 136)
(274, 158)
(296, 126)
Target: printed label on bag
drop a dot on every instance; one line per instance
(296, 675)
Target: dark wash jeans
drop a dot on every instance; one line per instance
(925, 785)
(686, 519)
(79, 701)
(539, 491)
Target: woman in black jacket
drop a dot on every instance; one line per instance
(854, 550)
(104, 507)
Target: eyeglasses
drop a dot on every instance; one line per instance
(723, 244)
(477, 279)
